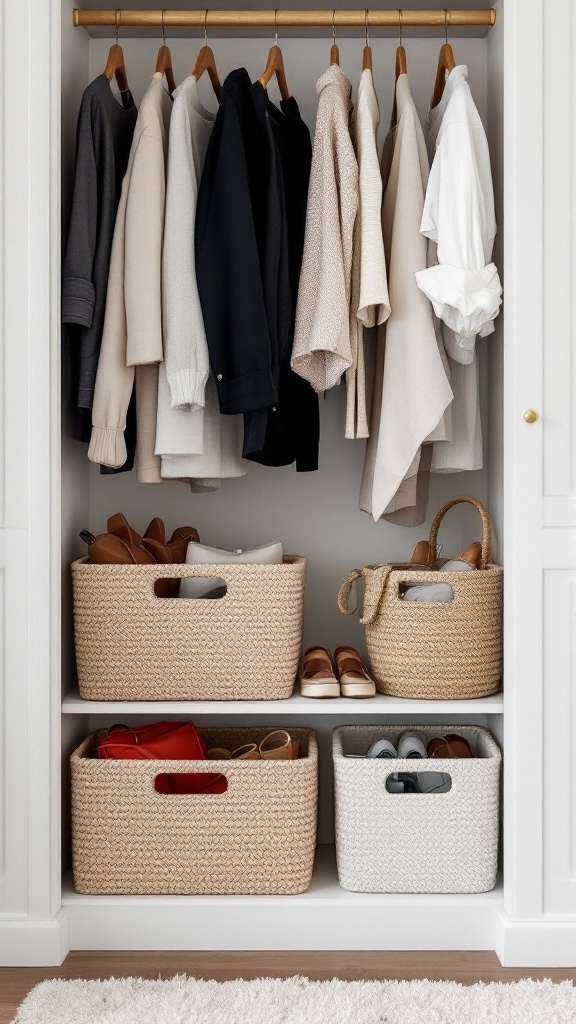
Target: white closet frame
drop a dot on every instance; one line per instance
(533, 921)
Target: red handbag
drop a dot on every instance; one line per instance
(161, 741)
(164, 741)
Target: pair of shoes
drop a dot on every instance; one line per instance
(123, 545)
(318, 679)
(469, 559)
(278, 745)
(410, 745)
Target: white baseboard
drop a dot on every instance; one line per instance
(34, 943)
(537, 943)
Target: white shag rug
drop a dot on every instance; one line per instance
(185, 1000)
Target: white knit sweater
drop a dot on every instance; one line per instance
(321, 351)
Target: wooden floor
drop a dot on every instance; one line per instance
(466, 968)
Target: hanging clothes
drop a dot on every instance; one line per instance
(464, 286)
(103, 139)
(133, 323)
(322, 352)
(293, 427)
(231, 217)
(370, 304)
(411, 389)
(192, 438)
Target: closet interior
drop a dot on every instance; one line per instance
(314, 514)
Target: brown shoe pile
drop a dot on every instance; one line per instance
(123, 545)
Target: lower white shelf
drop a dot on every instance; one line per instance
(74, 704)
(325, 917)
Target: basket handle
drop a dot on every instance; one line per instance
(344, 592)
(486, 526)
(375, 582)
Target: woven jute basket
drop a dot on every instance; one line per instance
(433, 651)
(133, 645)
(258, 837)
(423, 842)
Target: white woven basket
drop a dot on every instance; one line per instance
(258, 837)
(412, 842)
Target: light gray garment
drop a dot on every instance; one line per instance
(411, 389)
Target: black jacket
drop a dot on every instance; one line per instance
(232, 221)
(293, 429)
(103, 140)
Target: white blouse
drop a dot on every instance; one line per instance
(464, 286)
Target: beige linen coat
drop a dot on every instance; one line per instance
(133, 322)
(411, 388)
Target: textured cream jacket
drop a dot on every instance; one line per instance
(411, 388)
(133, 322)
(321, 350)
(369, 304)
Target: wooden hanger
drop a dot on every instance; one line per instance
(164, 61)
(164, 66)
(334, 51)
(205, 62)
(275, 66)
(446, 64)
(401, 65)
(115, 66)
(367, 54)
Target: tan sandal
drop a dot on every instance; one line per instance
(354, 679)
(278, 746)
(317, 677)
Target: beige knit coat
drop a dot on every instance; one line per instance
(411, 388)
(321, 350)
(133, 322)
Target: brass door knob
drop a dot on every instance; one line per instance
(530, 415)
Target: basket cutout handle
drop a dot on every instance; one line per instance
(486, 526)
(426, 783)
(190, 783)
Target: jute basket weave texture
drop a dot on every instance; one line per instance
(432, 651)
(132, 645)
(258, 837)
(407, 842)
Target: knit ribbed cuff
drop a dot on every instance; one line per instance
(78, 297)
(107, 447)
(187, 389)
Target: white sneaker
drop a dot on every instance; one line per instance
(411, 746)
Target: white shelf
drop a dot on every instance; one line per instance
(348, 920)
(73, 704)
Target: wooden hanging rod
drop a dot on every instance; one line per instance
(376, 18)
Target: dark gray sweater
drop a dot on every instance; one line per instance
(103, 140)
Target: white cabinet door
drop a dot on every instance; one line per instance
(540, 464)
(29, 484)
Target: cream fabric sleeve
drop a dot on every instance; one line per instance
(185, 346)
(464, 287)
(143, 243)
(114, 379)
